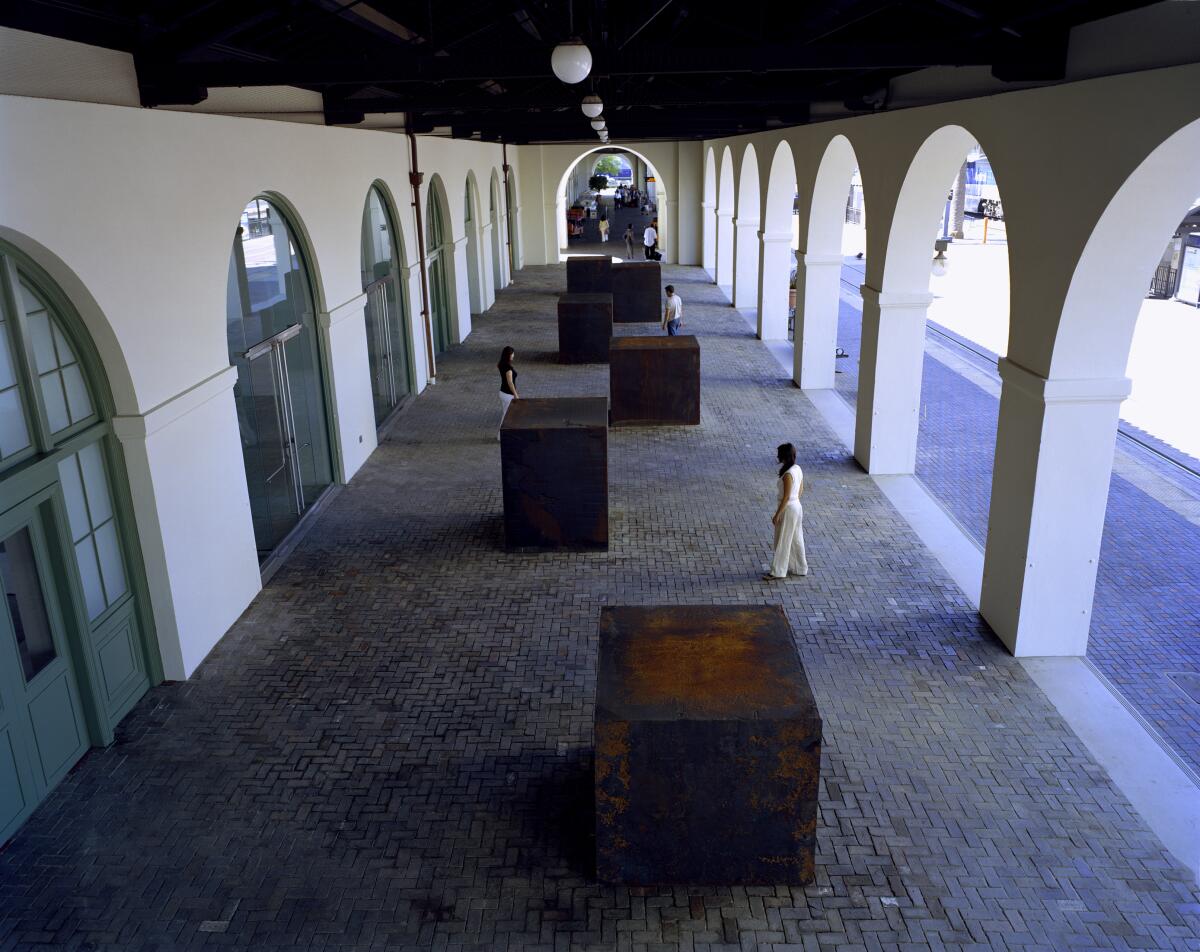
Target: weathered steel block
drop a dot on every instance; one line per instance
(654, 380)
(554, 464)
(585, 323)
(637, 292)
(589, 274)
(708, 748)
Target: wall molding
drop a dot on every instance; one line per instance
(140, 426)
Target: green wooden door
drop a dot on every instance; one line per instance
(42, 729)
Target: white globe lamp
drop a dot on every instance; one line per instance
(592, 106)
(571, 61)
(599, 124)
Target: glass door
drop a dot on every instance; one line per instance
(42, 730)
(386, 347)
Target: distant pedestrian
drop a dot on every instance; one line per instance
(788, 520)
(649, 240)
(604, 228)
(508, 383)
(672, 318)
(629, 242)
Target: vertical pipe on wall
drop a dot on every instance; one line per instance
(509, 224)
(414, 179)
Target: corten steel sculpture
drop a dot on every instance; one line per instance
(654, 380)
(708, 748)
(585, 324)
(554, 463)
(589, 274)
(637, 292)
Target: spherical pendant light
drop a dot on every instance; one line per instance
(571, 61)
(598, 124)
(592, 106)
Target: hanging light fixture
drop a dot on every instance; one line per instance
(592, 106)
(599, 124)
(571, 59)
(940, 261)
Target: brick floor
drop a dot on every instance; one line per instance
(1146, 614)
(391, 749)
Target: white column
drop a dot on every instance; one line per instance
(745, 263)
(889, 380)
(486, 268)
(187, 480)
(668, 239)
(724, 271)
(344, 332)
(818, 300)
(774, 265)
(708, 238)
(460, 289)
(556, 230)
(1054, 455)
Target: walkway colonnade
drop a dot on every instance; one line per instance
(1086, 213)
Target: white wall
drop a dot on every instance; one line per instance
(133, 211)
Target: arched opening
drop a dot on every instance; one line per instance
(389, 347)
(439, 262)
(76, 647)
(497, 232)
(280, 394)
(779, 236)
(471, 226)
(746, 240)
(708, 224)
(1092, 535)
(829, 273)
(892, 350)
(725, 215)
(624, 208)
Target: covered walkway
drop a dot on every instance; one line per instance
(392, 746)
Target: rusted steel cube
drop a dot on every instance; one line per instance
(589, 274)
(554, 464)
(637, 292)
(654, 380)
(708, 748)
(585, 323)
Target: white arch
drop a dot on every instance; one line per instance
(745, 231)
(666, 240)
(725, 212)
(775, 254)
(819, 273)
(708, 225)
(893, 336)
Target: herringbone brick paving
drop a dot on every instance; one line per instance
(391, 749)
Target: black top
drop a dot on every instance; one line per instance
(504, 387)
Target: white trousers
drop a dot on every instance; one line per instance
(505, 400)
(789, 543)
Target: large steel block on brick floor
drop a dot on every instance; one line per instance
(654, 380)
(637, 292)
(708, 748)
(554, 464)
(585, 323)
(589, 274)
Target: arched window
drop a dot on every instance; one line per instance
(436, 252)
(280, 392)
(73, 659)
(387, 307)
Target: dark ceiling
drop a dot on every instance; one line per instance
(665, 70)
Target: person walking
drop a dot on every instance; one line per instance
(629, 242)
(788, 520)
(508, 383)
(649, 240)
(672, 318)
(604, 228)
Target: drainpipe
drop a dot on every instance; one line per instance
(414, 178)
(509, 223)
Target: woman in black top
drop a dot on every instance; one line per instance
(508, 382)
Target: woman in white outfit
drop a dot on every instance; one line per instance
(508, 383)
(788, 519)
